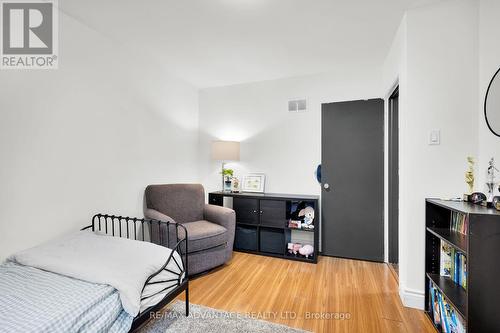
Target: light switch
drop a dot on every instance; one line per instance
(435, 137)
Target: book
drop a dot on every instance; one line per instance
(436, 313)
(445, 317)
(431, 300)
(459, 222)
(445, 328)
(454, 321)
(447, 259)
(463, 272)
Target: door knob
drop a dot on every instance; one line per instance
(326, 186)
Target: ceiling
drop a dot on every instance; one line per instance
(223, 42)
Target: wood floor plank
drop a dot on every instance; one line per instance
(336, 295)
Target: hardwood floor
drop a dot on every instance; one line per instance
(364, 293)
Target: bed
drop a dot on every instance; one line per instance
(108, 277)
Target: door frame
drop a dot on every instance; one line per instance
(393, 176)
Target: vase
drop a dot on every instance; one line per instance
(227, 184)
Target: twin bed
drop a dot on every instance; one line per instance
(108, 277)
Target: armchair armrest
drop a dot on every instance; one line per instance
(156, 215)
(168, 236)
(221, 215)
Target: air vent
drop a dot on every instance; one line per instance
(297, 105)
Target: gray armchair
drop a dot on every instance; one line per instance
(210, 228)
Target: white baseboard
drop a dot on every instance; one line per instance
(412, 298)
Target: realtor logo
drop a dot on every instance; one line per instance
(29, 34)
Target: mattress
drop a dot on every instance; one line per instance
(33, 300)
(124, 264)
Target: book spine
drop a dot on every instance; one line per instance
(464, 272)
(444, 321)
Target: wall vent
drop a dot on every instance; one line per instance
(297, 105)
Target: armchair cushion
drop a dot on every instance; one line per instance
(204, 235)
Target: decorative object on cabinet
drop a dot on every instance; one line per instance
(235, 185)
(293, 248)
(491, 179)
(469, 175)
(307, 214)
(254, 182)
(496, 202)
(478, 198)
(227, 178)
(306, 250)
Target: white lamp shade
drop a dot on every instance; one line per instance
(225, 151)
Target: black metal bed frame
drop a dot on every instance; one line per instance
(162, 233)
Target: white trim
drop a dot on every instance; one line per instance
(412, 298)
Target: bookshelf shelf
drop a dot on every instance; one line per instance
(453, 292)
(454, 238)
(297, 229)
(472, 259)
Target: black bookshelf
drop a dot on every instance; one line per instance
(478, 304)
(262, 222)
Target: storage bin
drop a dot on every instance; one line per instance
(272, 240)
(245, 238)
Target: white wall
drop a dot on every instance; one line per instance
(438, 91)
(88, 137)
(489, 62)
(285, 146)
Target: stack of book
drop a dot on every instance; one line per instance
(446, 319)
(453, 264)
(459, 222)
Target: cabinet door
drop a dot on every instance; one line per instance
(273, 213)
(247, 210)
(215, 199)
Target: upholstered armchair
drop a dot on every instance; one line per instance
(210, 228)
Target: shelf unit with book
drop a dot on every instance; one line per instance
(462, 263)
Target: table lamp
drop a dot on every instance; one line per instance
(225, 151)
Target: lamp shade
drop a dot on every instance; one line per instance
(225, 151)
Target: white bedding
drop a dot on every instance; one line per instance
(121, 263)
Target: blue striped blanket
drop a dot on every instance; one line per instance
(33, 300)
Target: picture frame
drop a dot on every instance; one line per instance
(254, 182)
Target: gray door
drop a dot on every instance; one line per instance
(352, 197)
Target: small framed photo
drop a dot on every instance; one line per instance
(254, 182)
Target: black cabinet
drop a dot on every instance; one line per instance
(262, 223)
